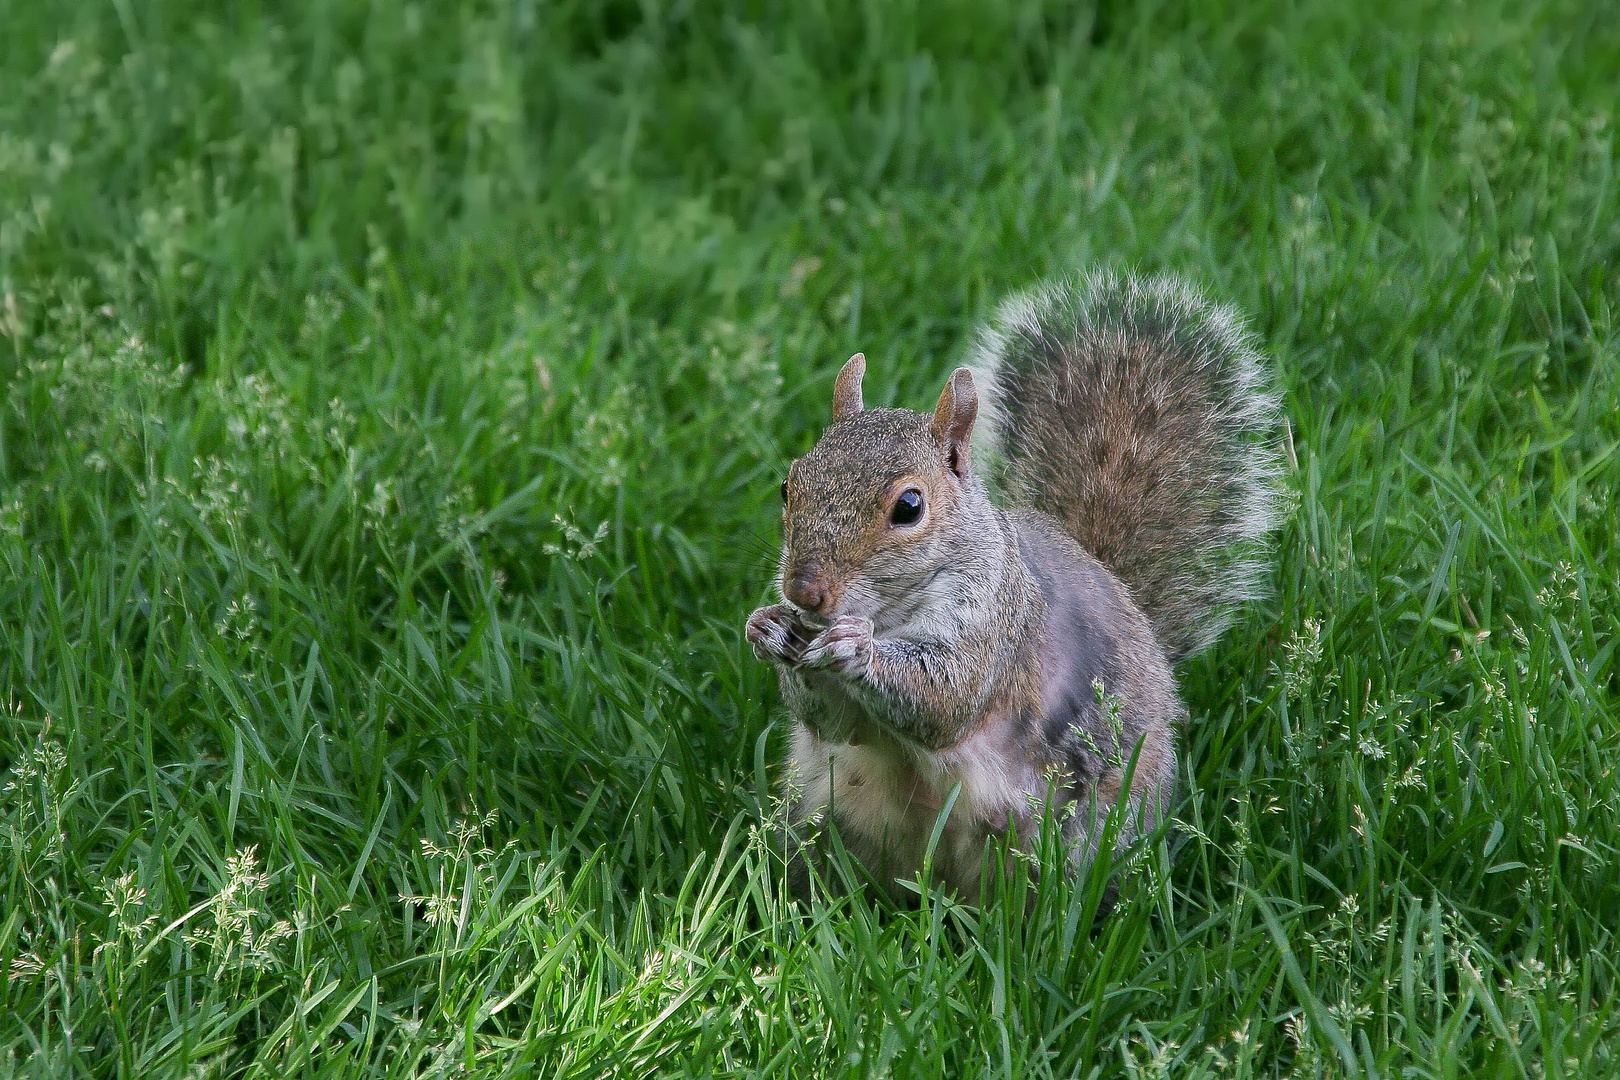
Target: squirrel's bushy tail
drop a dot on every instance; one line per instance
(1140, 416)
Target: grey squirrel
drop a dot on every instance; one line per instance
(928, 637)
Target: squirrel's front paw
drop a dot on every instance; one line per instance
(776, 634)
(844, 647)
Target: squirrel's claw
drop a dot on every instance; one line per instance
(772, 631)
(844, 647)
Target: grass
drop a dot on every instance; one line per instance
(395, 398)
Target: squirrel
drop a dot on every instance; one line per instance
(928, 637)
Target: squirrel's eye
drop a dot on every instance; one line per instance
(907, 508)
(784, 491)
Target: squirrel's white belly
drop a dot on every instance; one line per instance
(885, 797)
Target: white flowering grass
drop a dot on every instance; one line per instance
(395, 398)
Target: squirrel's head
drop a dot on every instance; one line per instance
(867, 514)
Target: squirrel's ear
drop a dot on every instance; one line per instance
(847, 390)
(953, 419)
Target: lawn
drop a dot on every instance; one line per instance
(395, 399)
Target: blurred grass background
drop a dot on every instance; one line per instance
(395, 398)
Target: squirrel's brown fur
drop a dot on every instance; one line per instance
(927, 638)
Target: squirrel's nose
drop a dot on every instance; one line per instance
(806, 587)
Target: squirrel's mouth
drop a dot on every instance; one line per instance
(814, 620)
